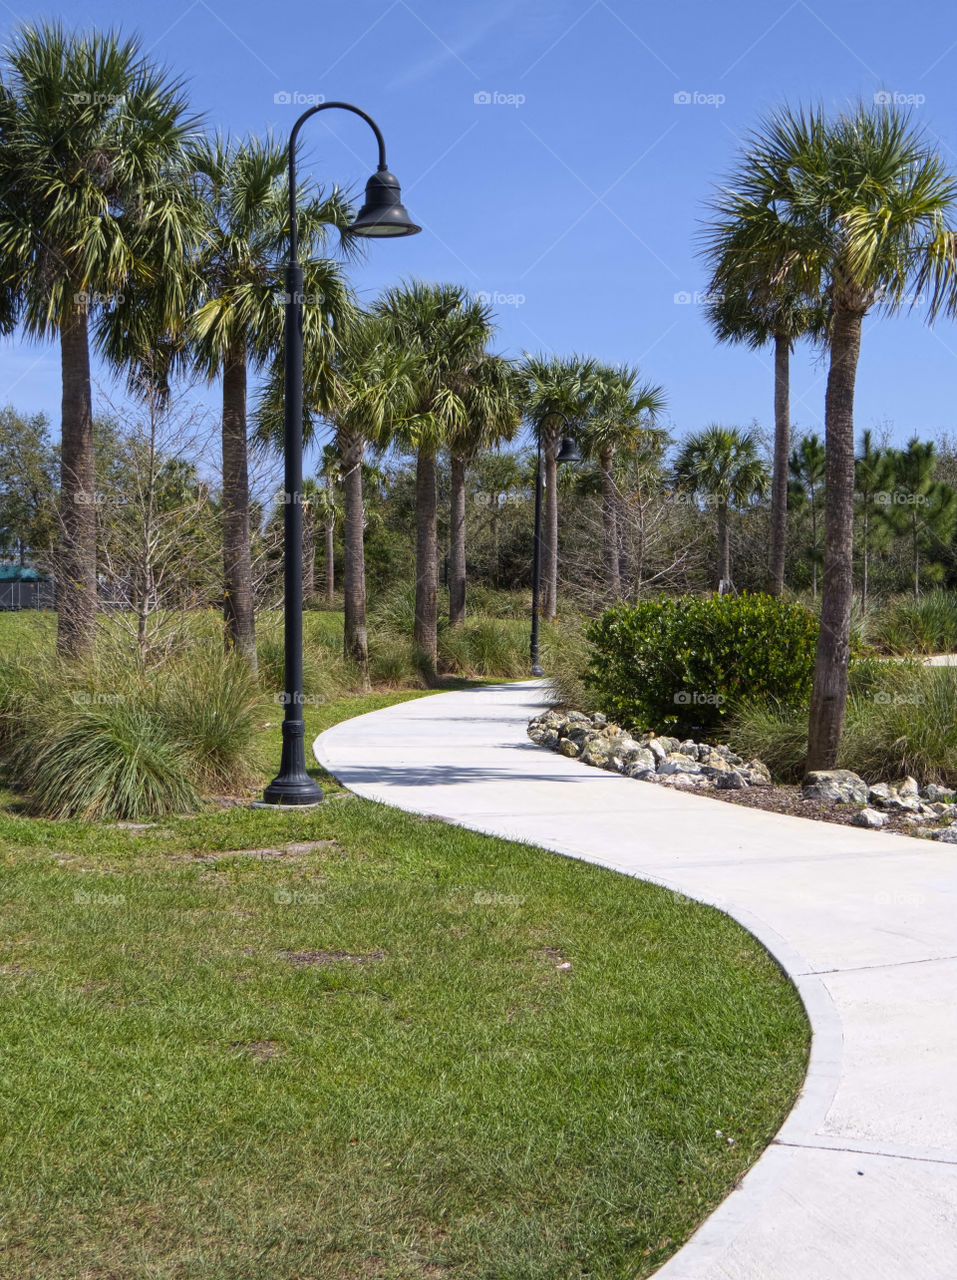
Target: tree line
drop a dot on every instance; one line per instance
(128, 229)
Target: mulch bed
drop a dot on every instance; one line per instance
(784, 799)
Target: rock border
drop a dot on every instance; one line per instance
(705, 766)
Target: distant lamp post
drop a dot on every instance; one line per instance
(383, 215)
(568, 452)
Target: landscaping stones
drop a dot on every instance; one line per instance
(703, 766)
(840, 785)
(933, 793)
(870, 818)
(731, 781)
(686, 764)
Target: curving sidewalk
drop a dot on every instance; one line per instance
(861, 1181)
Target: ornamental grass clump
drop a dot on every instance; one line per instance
(110, 740)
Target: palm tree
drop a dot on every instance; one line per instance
(808, 467)
(621, 416)
(492, 419)
(852, 210)
(721, 466)
(553, 389)
(331, 515)
(755, 316)
(448, 332)
(873, 481)
(94, 202)
(238, 321)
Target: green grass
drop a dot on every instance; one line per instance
(901, 720)
(182, 1101)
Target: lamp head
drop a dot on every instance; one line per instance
(383, 213)
(568, 451)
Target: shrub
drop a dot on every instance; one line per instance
(487, 647)
(685, 663)
(110, 740)
(565, 654)
(927, 625)
(901, 719)
(107, 761)
(390, 662)
(210, 705)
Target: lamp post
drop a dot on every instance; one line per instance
(568, 452)
(382, 215)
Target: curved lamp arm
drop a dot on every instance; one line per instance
(293, 139)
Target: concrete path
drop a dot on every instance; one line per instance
(861, 1181)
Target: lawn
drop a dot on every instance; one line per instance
(355, 1043)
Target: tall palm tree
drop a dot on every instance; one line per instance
(367, 396)
(238, 322)
(448, 332)
(621, 415)
(853, 210)
(553, 389)
(808, 468)
(492, 419)
(93, 203)
(331, 515)
(873, 481)
(721, 466)
(756, 316)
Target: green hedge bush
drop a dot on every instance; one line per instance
(685, 663)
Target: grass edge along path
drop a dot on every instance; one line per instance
(357, 1043)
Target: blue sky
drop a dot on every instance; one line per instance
(558, 155)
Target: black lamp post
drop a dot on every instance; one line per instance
(383, 214)
(568, 452)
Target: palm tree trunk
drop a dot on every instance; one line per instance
(425, 633)
(76, 595)
(457, 567)
(330, 549)
(724, 545)
(609, 521)
(356, 639)
(308, 552)
(237, 556)
(550, 528)
(782, 448)
(814, 542)
(829, 695)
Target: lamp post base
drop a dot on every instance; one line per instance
(292, 785)
(537, 671)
